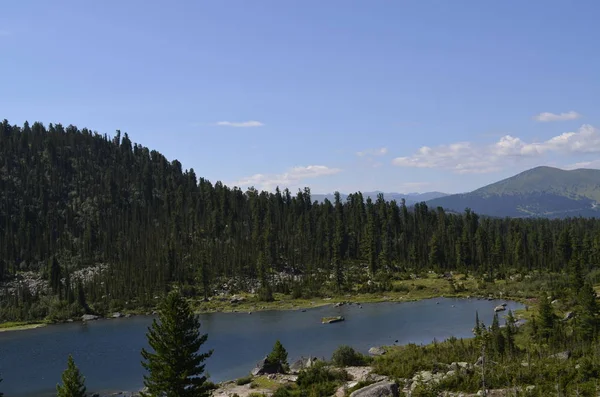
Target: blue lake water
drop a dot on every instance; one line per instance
(108, 351)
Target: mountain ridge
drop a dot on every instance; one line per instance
(411, 198)
(538, 192)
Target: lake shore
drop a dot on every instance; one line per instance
(20, 326)
(411, 290)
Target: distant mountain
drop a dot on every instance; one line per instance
(411, 198)
(539, 192)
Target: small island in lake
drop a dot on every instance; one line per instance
(329, 320)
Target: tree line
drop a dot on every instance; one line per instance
(101, 221)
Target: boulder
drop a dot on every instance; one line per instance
(562, 355)
(379, 389)
(264, 367)
(568, 316)
(89, 317)
(377, 351)
(302, 363)
(237, 299)
(480, 361)
(423, 377)
(457, 366)
(499, 308)
(117, 315)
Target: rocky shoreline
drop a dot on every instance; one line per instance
(265, 380)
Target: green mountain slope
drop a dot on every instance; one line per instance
(539, 192)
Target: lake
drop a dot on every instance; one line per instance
(108, 351)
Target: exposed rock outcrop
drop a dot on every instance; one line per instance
(264, 367)
(377, 351)
(302, 363)
(379, 389)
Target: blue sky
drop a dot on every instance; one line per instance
(398, 96)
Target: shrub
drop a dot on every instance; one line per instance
(345, 356)
(244, 381)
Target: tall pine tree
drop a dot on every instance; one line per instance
(73, 381)
(175, 368)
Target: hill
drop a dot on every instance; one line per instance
(538, 192)
(96, 225)
(411, 198)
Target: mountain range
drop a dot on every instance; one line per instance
(539, 192)
(411, 198)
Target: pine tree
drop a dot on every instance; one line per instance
(498, 341)
(176, 368)
(477, 330)
(587, 320)
(546, 318)
(510, 333)
(73, 381)
(278, 356)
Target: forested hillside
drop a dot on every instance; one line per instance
(87, 221)
(539, 192)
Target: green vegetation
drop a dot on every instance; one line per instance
(278, 356)
(244, 381)
(346, 356)
(92, 224)
(316, 381)
(73, 381)
(176, 367)
(541, 191)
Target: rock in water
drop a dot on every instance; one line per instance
(499, 308)
(377, 351)
(89, 317)
(379, 389)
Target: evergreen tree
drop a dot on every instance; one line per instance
(546, 319)
(510, 331)
(498, 341)
(278, 355)
(175, 368)
(73, 381)
(477, 330)
(587, 319)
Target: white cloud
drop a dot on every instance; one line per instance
(547, 116)
(373, 152)
(468, 158)
(292, 177)
(585, 164)
(242, 124)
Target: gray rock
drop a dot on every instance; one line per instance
(457, 366)
(568, 316)
(302, 363)
(89, 317)
(499, 308)
(423, 377)
(263, 367)
(562, 355)
(377, 351)
(117, 315)
(380, 389)
(480, 361)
